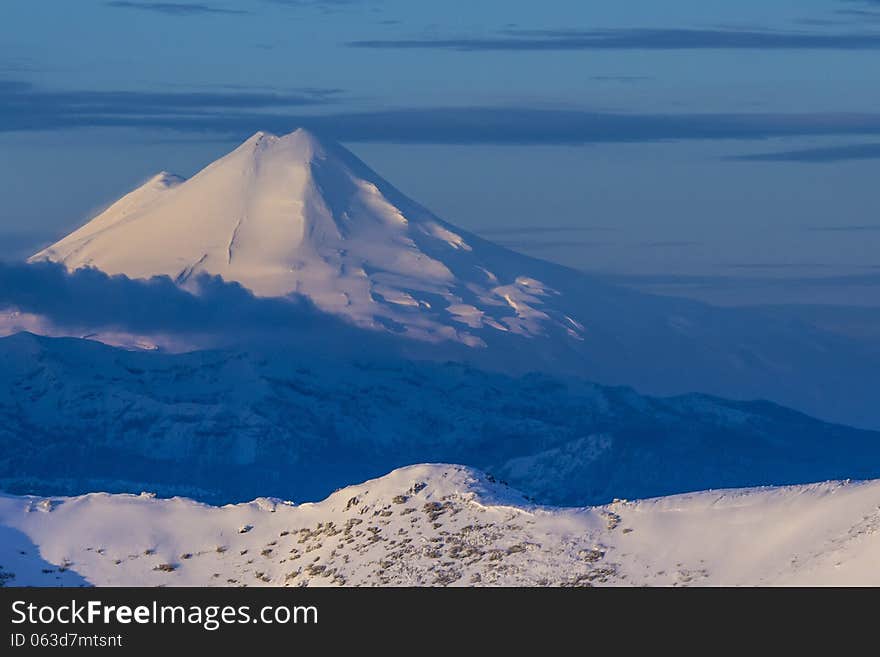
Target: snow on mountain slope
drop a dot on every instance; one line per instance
(439, 525)
(221, 426)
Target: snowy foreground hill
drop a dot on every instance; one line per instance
(226, 426)
(438, 525)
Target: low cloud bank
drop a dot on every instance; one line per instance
(215, 312)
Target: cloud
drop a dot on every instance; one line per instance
(779, 265)
(511, 125)
(821, 155)
(326, 6)
(537, 230)
(848, 16)
(554, 244)
(18, 94)
(669, 244)
(314, 3)
(733, 282)
(860, 15)
(12, 87)
(24, 106)
(238, 114)
(93, 301)
(174, 8)
(627, 79)
(635, 39)
(19, 65)
(847, 229)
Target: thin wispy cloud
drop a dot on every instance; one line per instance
(19, 65)
(538, 230)
(635, 39)
(848, 12)
(821, 155)
(626, 79)
(537, 245)
(734, 282)
(14, 87)
(860, 14)
(512, 125)
(778, 265)
(174, 8)
(314, 3)
(325, 6)
(858, 228)
(671, 244)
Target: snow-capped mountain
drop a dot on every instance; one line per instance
(446, 525)
(294, 215)
(77, 416)
(284, 215)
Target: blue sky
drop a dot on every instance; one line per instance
(688, 144)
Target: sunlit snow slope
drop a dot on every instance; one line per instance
(438, 525)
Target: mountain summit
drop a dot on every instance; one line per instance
(293, 214)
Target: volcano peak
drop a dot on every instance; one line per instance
(292, 214)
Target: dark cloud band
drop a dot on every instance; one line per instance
(174, 8)
(635, 39)
(90, 298)
(24, 107)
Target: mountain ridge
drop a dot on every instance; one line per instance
(222, 426)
